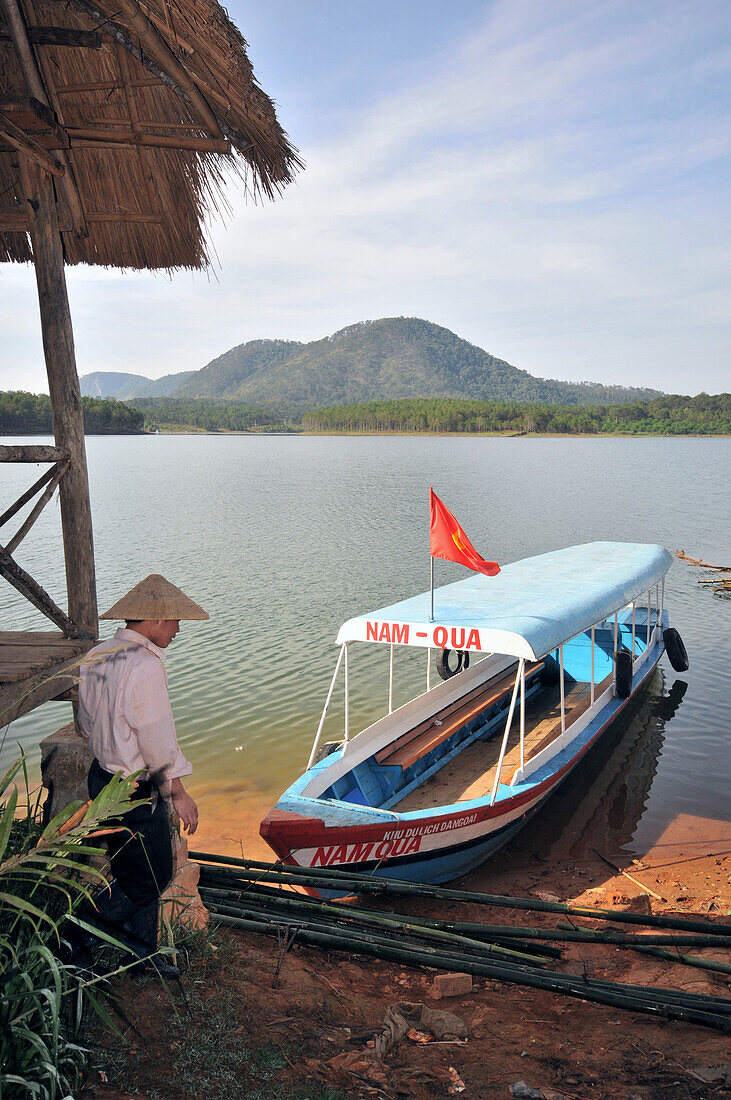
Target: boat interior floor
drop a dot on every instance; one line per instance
(471, 774)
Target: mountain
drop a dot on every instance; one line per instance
(394, 357)
(110, 384)
(162, 387)
(123, 386)
(229, 373)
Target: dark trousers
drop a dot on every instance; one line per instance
(142, 863)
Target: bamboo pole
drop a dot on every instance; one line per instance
(351, 882)
(687, 960)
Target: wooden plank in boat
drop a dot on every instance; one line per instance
(411, 746)
(580, 702)
(471, 774)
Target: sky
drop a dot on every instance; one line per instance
(546, 178)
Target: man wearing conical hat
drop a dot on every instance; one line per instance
(124, 710)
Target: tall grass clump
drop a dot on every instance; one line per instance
(45, 875)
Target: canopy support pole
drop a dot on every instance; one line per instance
(522, 719)
(634, 606)
(506, 735)
(390, 680)
(428, 669)
(347, 698)
(592, 666)
(63, 385)
(311, 761)
(563, 697)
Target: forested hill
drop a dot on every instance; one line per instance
(124, 386)
(30, 414)
(390, 358)
(669, 415)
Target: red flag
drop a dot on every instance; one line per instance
(447, 540)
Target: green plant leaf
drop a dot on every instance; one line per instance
(6, 821)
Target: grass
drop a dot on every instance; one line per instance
(204, 1049)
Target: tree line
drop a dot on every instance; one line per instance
(30, 414)
(669, 415)
(27, 413)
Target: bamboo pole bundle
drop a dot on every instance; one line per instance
(668, 1004)
(239, 894)
(492, 932)
(327, 879)
(341, 918)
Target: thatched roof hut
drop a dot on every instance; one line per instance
(118, 121)
(138, 108)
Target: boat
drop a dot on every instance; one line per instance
(534, 666)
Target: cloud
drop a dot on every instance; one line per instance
(550, 188)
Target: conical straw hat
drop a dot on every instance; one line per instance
(155, 598)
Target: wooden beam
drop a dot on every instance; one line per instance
(89, 135)
(32, 453)
(15, 220)
(158, 49)
(158, 60)
(57, 473)
(107, 85)
(25, 144)
(63, 384)
(59, 36)
(26, 496)
(34, 84)
(24, 583)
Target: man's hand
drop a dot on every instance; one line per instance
(185, 807)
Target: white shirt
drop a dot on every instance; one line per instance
(124, 710)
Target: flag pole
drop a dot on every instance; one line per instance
(431, 613)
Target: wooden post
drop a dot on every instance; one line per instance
(63, 384)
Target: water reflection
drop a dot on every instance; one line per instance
(601, 804)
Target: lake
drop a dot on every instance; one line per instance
(282, 538)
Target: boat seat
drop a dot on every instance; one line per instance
(420, 740)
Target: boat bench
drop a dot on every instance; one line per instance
(420, 740)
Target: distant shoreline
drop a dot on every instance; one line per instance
(420, 435)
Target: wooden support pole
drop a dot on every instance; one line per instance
(63, 384)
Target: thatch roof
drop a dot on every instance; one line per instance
(143, 106)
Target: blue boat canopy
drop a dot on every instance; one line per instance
(530, 608)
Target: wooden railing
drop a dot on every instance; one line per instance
(59, 461)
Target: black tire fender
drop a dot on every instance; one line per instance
(623, 673)
(444, 668)
(675, 649)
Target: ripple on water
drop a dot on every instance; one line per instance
(282, 539)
